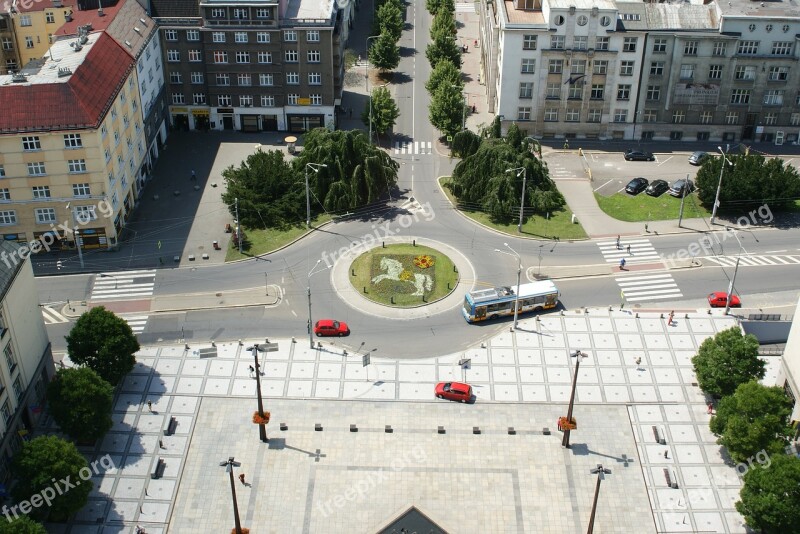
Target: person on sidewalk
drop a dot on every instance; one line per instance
(241, 479)
(671, 317)
(622, 264)
(710, 410)
(618, 245)
(638, 361)
(629, 250)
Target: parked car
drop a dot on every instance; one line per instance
(698, 158)
(681, 188)
(718, 299)
(457, 391)
(329, 327)
(639, 155)
(657, 188)
(636, 186)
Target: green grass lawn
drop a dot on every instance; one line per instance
(443, 276)
(263, 241)
(643, 208)
(559, 225)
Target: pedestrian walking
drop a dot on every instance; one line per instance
(629, 251)
(622, 264)
(150, 405)
(638, 361)
(670, 318)
(252, 370)
(241, 478)
(161, 444)
(710, 410)
(666, 454)
(618, 245)
(194, 176)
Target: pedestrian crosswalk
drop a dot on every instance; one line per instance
(465, 7)
(123, 285)
(634, 250)
(648, 286)
(413, 147)
(52, 316)
(136, 322)
(752, 261)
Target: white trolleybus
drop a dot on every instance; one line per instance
(484, 304)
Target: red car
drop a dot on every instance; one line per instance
(329, 327)
(457, 391)
(718, 299)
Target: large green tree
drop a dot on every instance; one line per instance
(384, 111)
(444, 23)
(445, 73)
(770, 496)
(103, 342)
(434, 6)
(21, 525)
(443, 47)
(748, 180)
(384, 53)
(270, 192)
(81, 402)
(389, 20)
(44, 462)
(725, 361)
(753, 419)
(465, 143)
(446, 110)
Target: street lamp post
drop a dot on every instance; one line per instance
(599, 471)
(719, 185)
(262, 429)
(366, 69)
(519, 278)
(314, 167)
(229, 464)
(524, 172)
(308, 289)
(735, 270)
(76, 234)
(578, 355)
(370, 111)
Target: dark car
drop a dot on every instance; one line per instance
(636, 186)
(457, 391)
(657, 188)
(329, 327)
(718, 299)
(639, 155)
(698, 158)
(681, 188)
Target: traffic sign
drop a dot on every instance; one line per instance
(365, 360)
(268, 347)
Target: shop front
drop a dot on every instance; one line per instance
(201, 119)
(93, 238)
(180, 118)
(302, 123)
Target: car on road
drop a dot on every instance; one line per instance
(636, 186)
(681, 188)
(329, 327)
(698, 158)
(657, 188)
(718, 299)
(457, 391)
(639, 155)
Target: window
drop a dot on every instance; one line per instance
(720, 48)
(581, 42)
(703, 136)
(556, 66)
(240, 13)
(76, 165)
(794, 119)
(597, 92)
(175, 77)
(195, 56)
(218, 37)
(171, 35)
(197, 77)
(316, 100)
(80, 190)
(528, 66)
(623, 92)
(650, 115)
(18, 388)
(72, 141)
(740, 96)
(778, 74)
(262, 37)
(526, 90)
(116, 138)
(30, 143)
(690, 48)
(657, 68)
(600, 66)
(551, 114)
(6, 412)
(242, 57)
(714, 72)
(676, 135)
(578, 66)
(706, 117)
(192, 35)
(601, 43)
(262, 13)
(2, 171)
(36, 169)
(177, 98)
(114, 200)
(770, 119)
(50, 17)
(267, 101)
(217, 13)
(782, 48)
(312, 36)
(8, 217)
(24, 20)
(314, 78)
(246, 101)
(747, 72)
(575, 91)
(529, 42)
(524, 113)
(108, 155)
(5, 194)
(224, 100)
(595, 115)
(773, 97)
(173, 56)
(291, 99)
(553, 90)
(557, 42)
(678, 116)
(292, 78)
(620, 115)
(45, 215)
(266, 79)
(240, 37)
(243, 80)
(28, 42)
(626, 68)
(573, 115)
(687, 72)
(220, 57)
(8, 44)
(313, 56)
(653, 92)
(290, 56)
(290, 36)
(223, 78)
(265, 57)
(629, 44)
(747, 48)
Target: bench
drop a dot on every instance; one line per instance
(208, 352)
(672, 481)
(158, 468)
(170, 425)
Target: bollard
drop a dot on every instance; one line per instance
(383, 244)
(352, 272)
(392, 299)
(448, 285)
(423, 298)
(365, 289)
(455, 269)
(413, 242)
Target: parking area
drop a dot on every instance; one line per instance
(611, 173)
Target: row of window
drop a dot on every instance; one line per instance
(221, 57)
(242, 13)
(289, 36)
(524, 113)
(48, 215)
(43, 191)
(266, 101)
(246, 79)
(32, 143)
(37, 168)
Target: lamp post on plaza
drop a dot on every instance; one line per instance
(519, 277)
(725, 161)
(229, 464)
(600, 471)
(262, 429)
(524, 172)
(578, 355)
(314, 167)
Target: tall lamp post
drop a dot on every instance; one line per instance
(76, 234)
(366, 69)
(519, 277)
(229, 464)
(524, 172)
(725, 161)
(578, 355)
(599, 471)
(308, 289)
(370, 110)
(262, 429)
(314, 167)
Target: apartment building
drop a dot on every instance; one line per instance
(9, 54)
(71, 144)
(639, 70)
(27, 363)
(253, 66)
(35, 22)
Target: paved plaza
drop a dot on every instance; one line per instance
(475, 476)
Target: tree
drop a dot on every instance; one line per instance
(465, 143)
(445, 73)
(769, 497)
(514, 136)
(270, 192)
(750, 180)
(103, 342)
(21, 525)
(44, 460)
(443, 47)
(434, 6)
(753, 419)
(727, 360)
(81, 403)
(389, 20)
(384, 53)
(446, 110)
(444, 23)
(384, 111)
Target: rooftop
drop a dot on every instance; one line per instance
(33, 6)
(781, 9)
(90, 16)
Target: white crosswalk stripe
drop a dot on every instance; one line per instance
(136, 322)
(652, 286)
(123, 285)
(51, 316)
(754, 261)
(641, 251)
(464, 7)
(413, 147)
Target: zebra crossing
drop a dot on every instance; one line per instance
(634, 250)
(465, 7)
(136, 322)
(52, 316)
(648, 286)
(753, 261)
(123, 285)
(413, 147)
